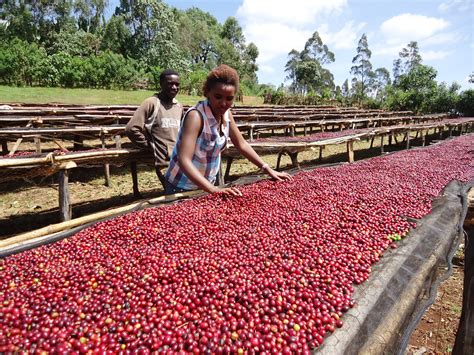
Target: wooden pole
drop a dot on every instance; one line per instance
(37, 141)
(227, 168)
(133, 169)
(320, 158)
(106, 165)
(279, 160)
(350, 151)
(220, 176)
(372, 142)
(408, 139)
(78, 142)
(294, 159)
(4, 146)
(381, 144)
(423, 137)
(65, 208)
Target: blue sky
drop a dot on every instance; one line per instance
(444, 30)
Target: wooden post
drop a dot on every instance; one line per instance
(423, 138)
(390, 139)
(350, 151)
(4, 146)
(65, 207)
(441, 129)
(450, 131)
(279, 160)
(395, 138)
(321, 147)
(408, 139)
(292, 130)
(294, 159)
(37, 141)
(133, 169)
(106, 165)
(304, 130)
(251, 133)
(227, 168)
(381, 144)
(220, 176)
(372, 142)
(78, 142)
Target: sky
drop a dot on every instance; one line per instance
(444, 30)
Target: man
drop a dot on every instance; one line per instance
(156, 122)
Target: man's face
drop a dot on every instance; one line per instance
(170, 86)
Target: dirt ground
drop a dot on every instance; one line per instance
(436, 332)
(33, 203)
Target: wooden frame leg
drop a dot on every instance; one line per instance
(4, 144)
(65, 208)
(279, 160)
(227, 168)
(133, 169)
(408, 140)
(37, 141)
(381, 145)
(220, 176)
(106, 165)
(294, 159)
(321, 148)
(350, 151)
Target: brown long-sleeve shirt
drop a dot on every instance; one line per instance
(158, 133)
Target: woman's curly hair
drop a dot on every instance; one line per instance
(222, 74)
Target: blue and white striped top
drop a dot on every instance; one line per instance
(207, 153)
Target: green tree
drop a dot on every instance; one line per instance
(465, 104)
(90, 14)
(305, 69)
(380, 82)
(117, 36)
(362, 69)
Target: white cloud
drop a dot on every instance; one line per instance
(434, 55)
(461, 5)
(274, 39)
(278, 26)
(293, 13)
(442, 38)
(408, 27)
(266, 69)
(346, 38)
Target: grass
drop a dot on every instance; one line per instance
(40, 95)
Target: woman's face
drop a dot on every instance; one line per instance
(221, 97)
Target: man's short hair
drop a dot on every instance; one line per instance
(167, 72)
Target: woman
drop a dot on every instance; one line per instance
(204, 132)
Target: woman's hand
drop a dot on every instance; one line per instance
(278, 176)
(228, 191)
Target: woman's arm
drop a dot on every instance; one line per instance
(247, 151)
(192, 127)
